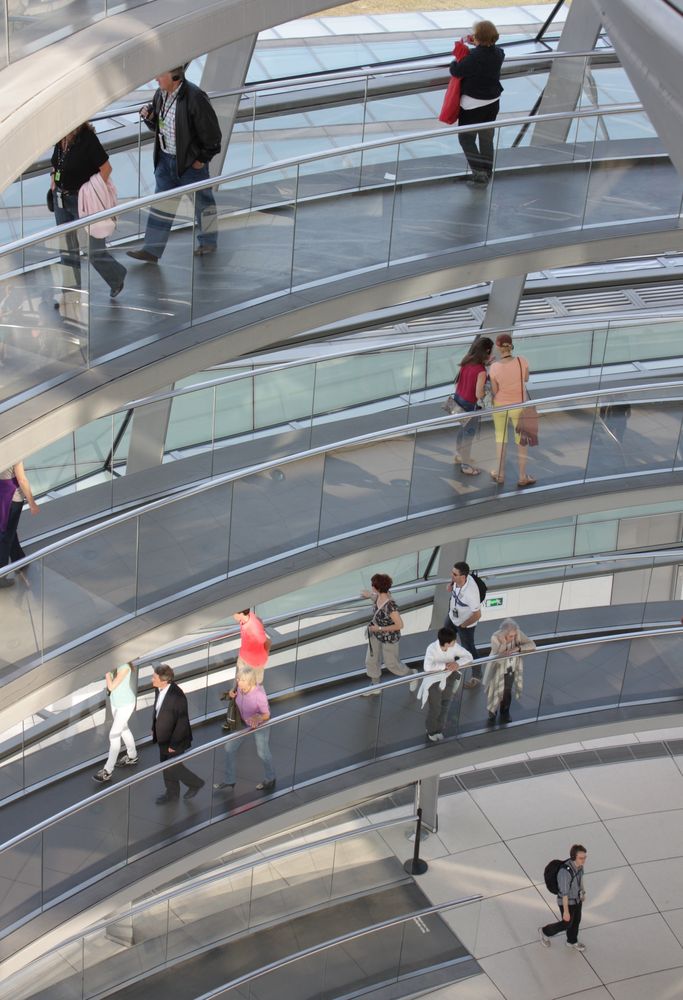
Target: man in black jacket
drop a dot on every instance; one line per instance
(186, 136)
(171, 731)
(480, 89)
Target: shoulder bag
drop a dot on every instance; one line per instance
(527, 424)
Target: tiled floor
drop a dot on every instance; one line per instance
(496, 841)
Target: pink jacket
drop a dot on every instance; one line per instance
(96, 195)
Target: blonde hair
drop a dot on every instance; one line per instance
(485, 33)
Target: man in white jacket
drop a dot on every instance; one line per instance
(441, 662)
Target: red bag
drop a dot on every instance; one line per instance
(450, 108)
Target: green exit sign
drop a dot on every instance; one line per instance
(494, 602)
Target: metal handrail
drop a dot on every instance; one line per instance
(338, 151)
(560, 324)
(354, 599)
(361, 439)
(364, 73)
(307, 710)
(334, 942)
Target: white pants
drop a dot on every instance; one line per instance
(118, 731)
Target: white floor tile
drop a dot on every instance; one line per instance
(537, 973)
(660, 734)
(657, 986)
(633, 787)
(462, 824)
(634, 947)
(505, 922)
(514, 758)
(614, 895)
(486, 871)
(544, 10)
(674, 919)
(532, 805)
(648, 838)
(554, 751)
(476, 988)
(663, 880)
(504, 15)
(534, 853)
(459, 19)
(609, 741)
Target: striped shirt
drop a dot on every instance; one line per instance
(167, 123)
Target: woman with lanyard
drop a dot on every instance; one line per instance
(75, 159)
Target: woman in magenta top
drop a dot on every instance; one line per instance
(470, 386)
(254, 710)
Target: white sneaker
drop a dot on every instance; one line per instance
(579, 946)
(414, 684)
(434, 737)
(544, 939)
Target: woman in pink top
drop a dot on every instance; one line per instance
(254, 710)
(508, 383)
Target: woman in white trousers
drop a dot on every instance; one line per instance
(122, 699)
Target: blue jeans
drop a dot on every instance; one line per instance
(261, 738)
(106, 266)
(466, 428)
(159, 222)
(466, 640)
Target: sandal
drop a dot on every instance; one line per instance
(496, 478)
(529, 481)
(469, 470)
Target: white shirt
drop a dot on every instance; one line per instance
(435, 661)
(469, 103)
(160, 699)
(464, 601)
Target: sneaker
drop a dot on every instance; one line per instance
(434, 737)
(266, 786)
(579, 946)
(102, 776)
(415, 683)
(222, 785)
(144, 255)
(544, 939)
(127, 761)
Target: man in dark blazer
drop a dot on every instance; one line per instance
(171, 731)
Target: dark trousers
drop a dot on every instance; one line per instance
(478, 144)
(159, 222)
(506, 700)
(174, 775)
(109, 269)
(438, 703)
(572, 928)
(10, 548)
(466, 640)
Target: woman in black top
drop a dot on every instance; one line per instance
(480, 89)
(75, 159)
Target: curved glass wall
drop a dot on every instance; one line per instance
(122, 823)
(323, 645)
(239, 522)
(235, 421)
(366, 214)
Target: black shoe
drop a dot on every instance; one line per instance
(145, 255)
(505, 717)
(491, 721)
(163, 799)
(116, 290)
(266, 786)
(194, 790)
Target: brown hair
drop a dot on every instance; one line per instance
(577, 849)
(485, 33)
(165, 673)
(381, 582)
(479, 351)
(502, 339)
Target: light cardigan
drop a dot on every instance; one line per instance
(97, 195)
(494, 674)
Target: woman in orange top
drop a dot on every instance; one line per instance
(508, 383)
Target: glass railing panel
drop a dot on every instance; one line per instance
(85, 844)
(283, 396)
(282, 666)
(21, 880)
(210, 913)
(567, 350)
(643, 342)
(377, 473)
(63, 749)
(275, 507)
(399, 716)
(565, 439)
(336, 738)
(342, 383)
(31, 28)
(436, 479)
(201, 522)
(35, 215)
(95, 575)
(124, 950)
(234, 409)
(11, 761)
(22, 621)
(160, 808)
(632, 436)
(583, 678)
(60, 974)
(654, 670)
(365, 861)
(251, 758)
(331, 656)
(53, 465)
(190, 422)
(290, 884)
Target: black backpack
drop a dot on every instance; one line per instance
(551, 871)
(483, 589)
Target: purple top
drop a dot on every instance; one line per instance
(7, 490)
(251, 702)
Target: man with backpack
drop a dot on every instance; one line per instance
(565, 880)
(464, 611)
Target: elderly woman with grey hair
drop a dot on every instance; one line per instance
(505, 673)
